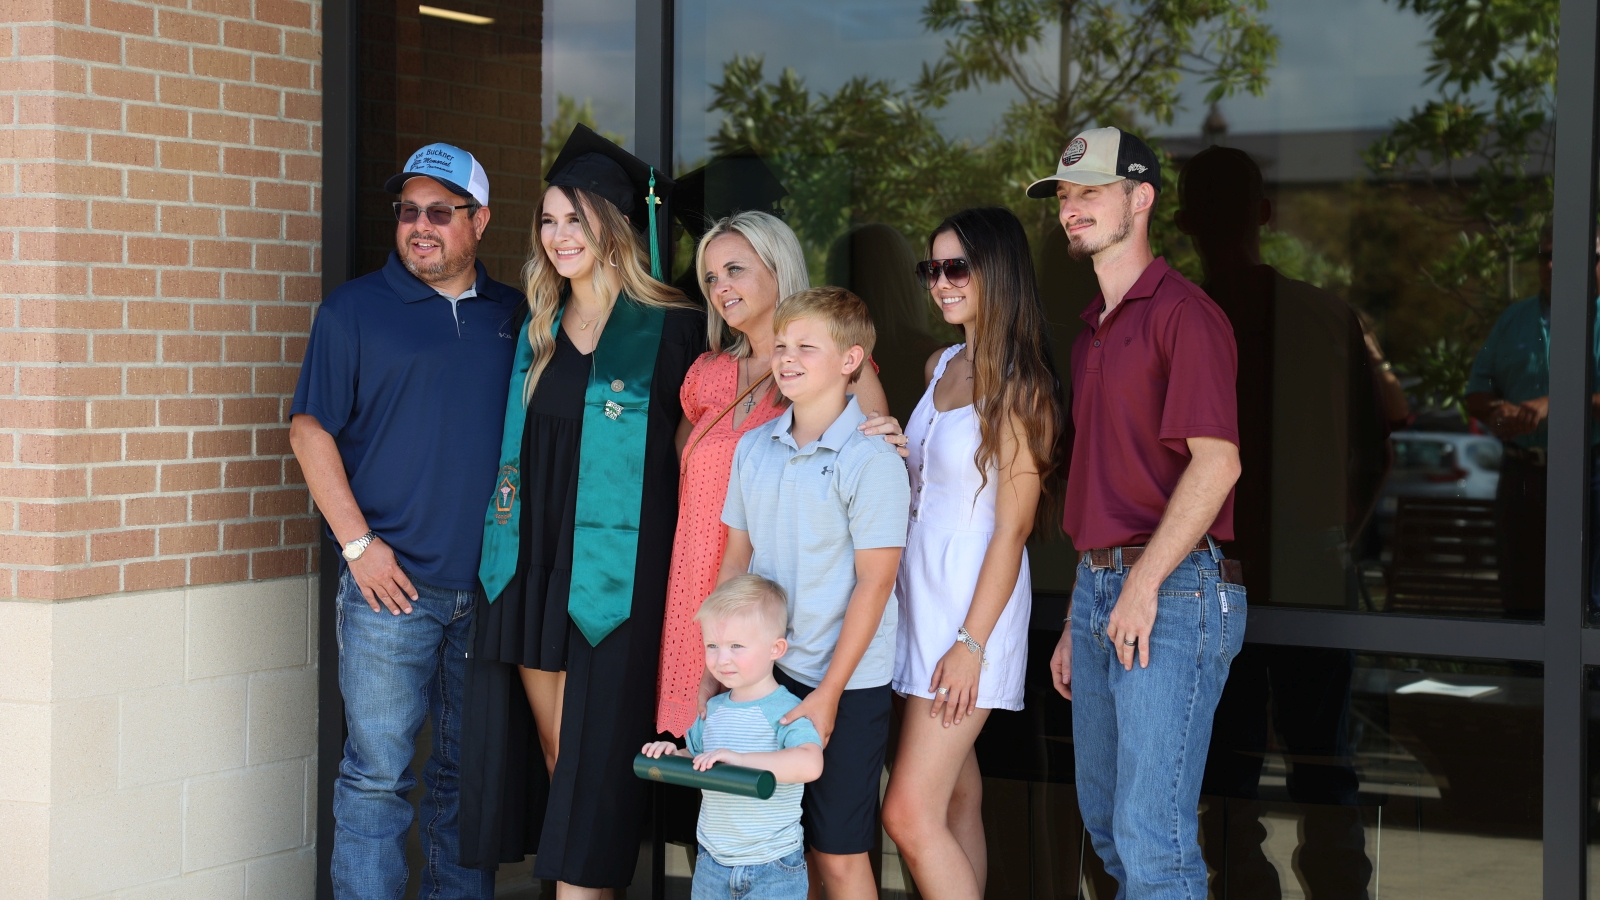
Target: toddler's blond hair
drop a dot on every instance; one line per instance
(748, 595)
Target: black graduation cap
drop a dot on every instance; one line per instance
(729, 183)
(594, 164)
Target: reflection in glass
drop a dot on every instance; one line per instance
(876, 262)
(1332, 775)
(1310, 389)
(1591, 702)
(478, 86)
(1337, 775)
(1368, 256)
(508, 91)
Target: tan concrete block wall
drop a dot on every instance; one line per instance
(159, 199)
(163, 745)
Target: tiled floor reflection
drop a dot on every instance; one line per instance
(1337, 777)
(1408, 862)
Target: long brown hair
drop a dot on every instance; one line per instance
(1014, 376)
(622, 265)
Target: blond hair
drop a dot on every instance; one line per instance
(622, 265)
(778, 249)
(747, 595)
(849, 323)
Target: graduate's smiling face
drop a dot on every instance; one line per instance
(740, 286)
(561, 235)
(741, 648)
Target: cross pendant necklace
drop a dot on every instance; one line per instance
(749, 401)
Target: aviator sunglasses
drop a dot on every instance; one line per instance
(957, 271)
(438, 213)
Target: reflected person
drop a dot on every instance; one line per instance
(876, 263)
(1509, 391)
(1313, 450)
(1312, 429)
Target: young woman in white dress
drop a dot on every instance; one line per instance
(983, 442)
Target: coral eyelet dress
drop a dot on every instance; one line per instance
(712, 384)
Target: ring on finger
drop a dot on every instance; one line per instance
(1132, 643)
(943, 692)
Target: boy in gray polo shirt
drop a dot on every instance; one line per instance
(820, 508)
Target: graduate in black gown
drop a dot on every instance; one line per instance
(578, 537)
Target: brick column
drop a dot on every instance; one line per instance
(160, 192)
(159, 197)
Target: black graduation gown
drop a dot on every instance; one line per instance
(585, 823)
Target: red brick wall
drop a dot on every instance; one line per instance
(159, 196)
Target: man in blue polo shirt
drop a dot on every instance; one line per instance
(396, 422)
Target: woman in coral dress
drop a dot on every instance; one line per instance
(746, 263)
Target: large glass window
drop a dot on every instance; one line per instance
(1331, 774)
(505, 81)
(1365, 188)
(1393, 434)
(1336, 774)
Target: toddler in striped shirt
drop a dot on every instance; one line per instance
(749, 848)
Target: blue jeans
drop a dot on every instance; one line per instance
(393, 672)
(781, 879)
(1141, 736)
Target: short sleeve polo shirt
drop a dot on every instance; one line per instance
(412, 387)
(808, 510)
(1159, 370)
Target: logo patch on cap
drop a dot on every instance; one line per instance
(1136, 167)
(1074, 151)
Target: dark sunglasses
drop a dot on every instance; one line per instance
(956, 271)
(438, 213)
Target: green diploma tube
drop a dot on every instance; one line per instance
(673, 769)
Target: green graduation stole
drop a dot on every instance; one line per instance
(616, 408)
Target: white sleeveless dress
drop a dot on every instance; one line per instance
(952, 520)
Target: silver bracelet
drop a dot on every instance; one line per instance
(962, 637)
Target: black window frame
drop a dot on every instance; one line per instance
(1562, 643)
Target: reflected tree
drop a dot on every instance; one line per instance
(569, 113)
(1485, 144)
(872, 150)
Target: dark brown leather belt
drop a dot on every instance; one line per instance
(1106, 557)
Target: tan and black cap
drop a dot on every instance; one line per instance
(1102, 156)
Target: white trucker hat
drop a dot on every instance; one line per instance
(1102, 156)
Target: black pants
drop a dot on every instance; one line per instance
(1519, 524)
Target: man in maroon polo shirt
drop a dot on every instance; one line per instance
(1149, 495)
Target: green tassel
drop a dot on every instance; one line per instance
(652, 201)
